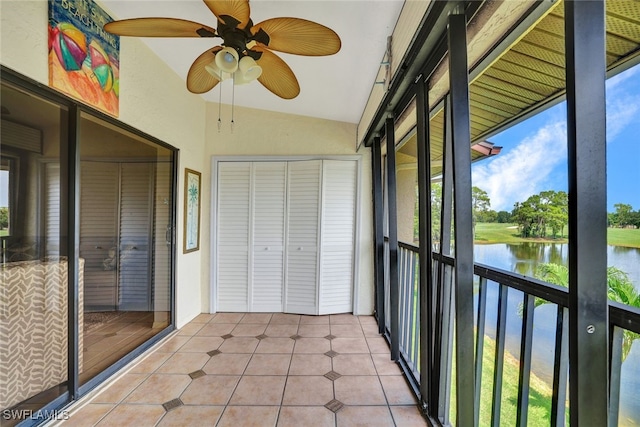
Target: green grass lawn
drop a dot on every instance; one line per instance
(539, 392)
(4, 232)
(624, 237)
(487, 233)
(494, 232)
(539, 413)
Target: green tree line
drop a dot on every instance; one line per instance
(542, 215)
(545, 214)
(624, 216)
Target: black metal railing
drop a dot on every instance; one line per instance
(507, 322)
(409, 322)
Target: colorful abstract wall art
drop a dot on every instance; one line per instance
(84, 60)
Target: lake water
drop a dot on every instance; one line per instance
(523, 258)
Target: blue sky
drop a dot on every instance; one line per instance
(534, 154)
(4, 188)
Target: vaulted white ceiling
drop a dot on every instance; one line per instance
(332, 87)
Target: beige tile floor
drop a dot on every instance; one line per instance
(236, 369)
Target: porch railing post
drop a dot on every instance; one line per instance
(461, 134)
(392, 216)
(586, 136)
(425, 257)
(378, 231)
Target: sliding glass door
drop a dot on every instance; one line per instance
(75, 182)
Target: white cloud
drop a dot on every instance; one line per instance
(622, 108)
(616, 81)
(522, 171)
(621, 111)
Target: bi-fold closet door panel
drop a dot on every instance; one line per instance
(136, 219)
(268, 233)
(339, 188)
(52, 212)
(99, 218)
(233, 235)
(304, 183)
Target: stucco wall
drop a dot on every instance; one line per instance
(265, 133)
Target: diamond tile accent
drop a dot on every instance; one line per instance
(262, 336)
(172, 404)
(330, 337)
(295, 337)
(334, 405)
(332, 375)
(197, 374)
(331, 353)
(227, 336)
(214, 353)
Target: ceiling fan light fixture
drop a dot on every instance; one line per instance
(239, 79)
(249, 69)
(227, 60)
(213, 69)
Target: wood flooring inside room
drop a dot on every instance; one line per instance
(108, 336)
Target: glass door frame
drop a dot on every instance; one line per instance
(70, 184)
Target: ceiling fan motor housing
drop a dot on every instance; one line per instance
(237, 38)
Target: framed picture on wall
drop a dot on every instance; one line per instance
(191, 210)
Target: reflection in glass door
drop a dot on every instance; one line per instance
(34, 267)
(125, 240)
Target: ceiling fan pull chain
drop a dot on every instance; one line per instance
(233, 99)
(219, 107)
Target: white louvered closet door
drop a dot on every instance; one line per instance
(99, 203)
(267, 261)
(339, 187)
(233, 235)
(52, 209)
(304, 185)
(136, 218)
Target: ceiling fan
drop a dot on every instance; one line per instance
(245, 53)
